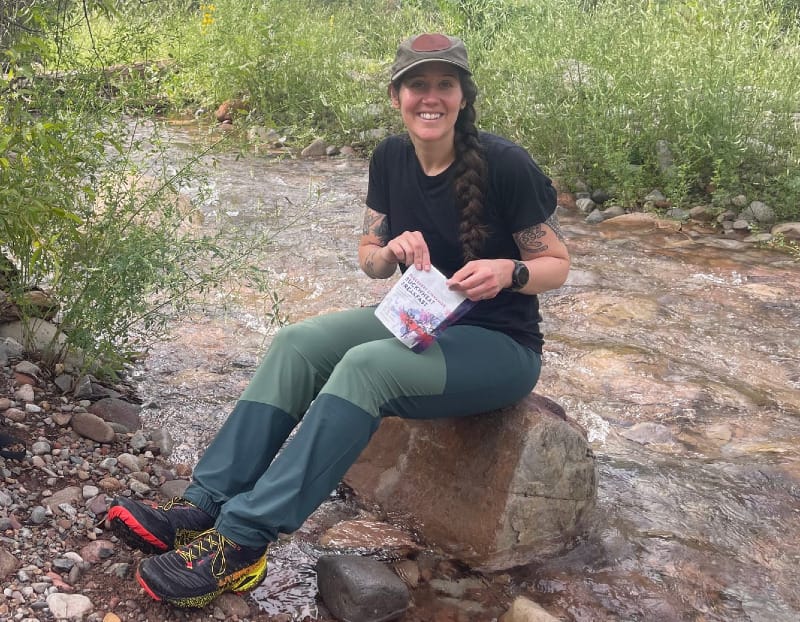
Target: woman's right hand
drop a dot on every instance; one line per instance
(409, 248)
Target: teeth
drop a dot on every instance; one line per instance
(430, 116)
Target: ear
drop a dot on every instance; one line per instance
(463, 104)
(394, 96)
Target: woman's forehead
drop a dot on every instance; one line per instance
(432, 69)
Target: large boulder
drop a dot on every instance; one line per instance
(495, 490)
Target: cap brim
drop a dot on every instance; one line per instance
(429, 60)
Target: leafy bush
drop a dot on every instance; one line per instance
(88, 210)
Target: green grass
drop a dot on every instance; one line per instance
(595, 90)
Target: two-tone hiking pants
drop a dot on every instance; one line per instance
(339, 374)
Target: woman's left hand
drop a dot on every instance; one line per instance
(481, 279)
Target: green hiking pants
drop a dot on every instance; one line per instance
(339, 374)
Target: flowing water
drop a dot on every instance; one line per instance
(677, 350)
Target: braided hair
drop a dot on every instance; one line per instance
(470, 175)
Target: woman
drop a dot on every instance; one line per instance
(474, 205)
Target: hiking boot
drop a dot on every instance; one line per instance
(155, 528)
(195, 574)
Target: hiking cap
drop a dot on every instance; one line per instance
(429, 47)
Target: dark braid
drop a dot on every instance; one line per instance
(470, 174)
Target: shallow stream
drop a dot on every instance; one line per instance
(677, 350)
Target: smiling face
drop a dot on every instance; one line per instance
(429, 100)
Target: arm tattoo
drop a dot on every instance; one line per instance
(369, 263)
(552, 222)
(375, 223)
(529, 239)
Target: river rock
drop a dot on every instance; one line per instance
(524, 610)
(495, 490)
(114, 410)
(93, 427)
(360, 589)
(790, 230)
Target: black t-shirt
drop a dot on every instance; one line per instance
(519, 196)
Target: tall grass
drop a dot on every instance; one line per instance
(696, 97)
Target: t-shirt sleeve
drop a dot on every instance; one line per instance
(524, 195)
(376, 186)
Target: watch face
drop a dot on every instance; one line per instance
(521, 275)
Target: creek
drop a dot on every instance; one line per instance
(677, 350)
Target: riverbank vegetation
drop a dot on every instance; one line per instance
(698, 98)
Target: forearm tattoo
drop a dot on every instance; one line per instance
(369, 263)
(529, 240)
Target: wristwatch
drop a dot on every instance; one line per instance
(520, 276)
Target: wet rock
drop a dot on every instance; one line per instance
(368, 535)
(509, 487)
(641, 221)
(232, 605)
(524, 610)
(360, 589)
(408, 571)
(648, 433)
(585, 205)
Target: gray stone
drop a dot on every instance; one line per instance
(8, 563)
(529, 472)
(595, 217)
(93, 427)
(64, 382)
(585, 206)
(666, 161)
(114, 410)
(702, 213)
(360, 589)
(162, 439)
(173, 488)
(758, 212)
(789, 230)
(655, 195)
(69, 606)
(315, 149)
(28, 368)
